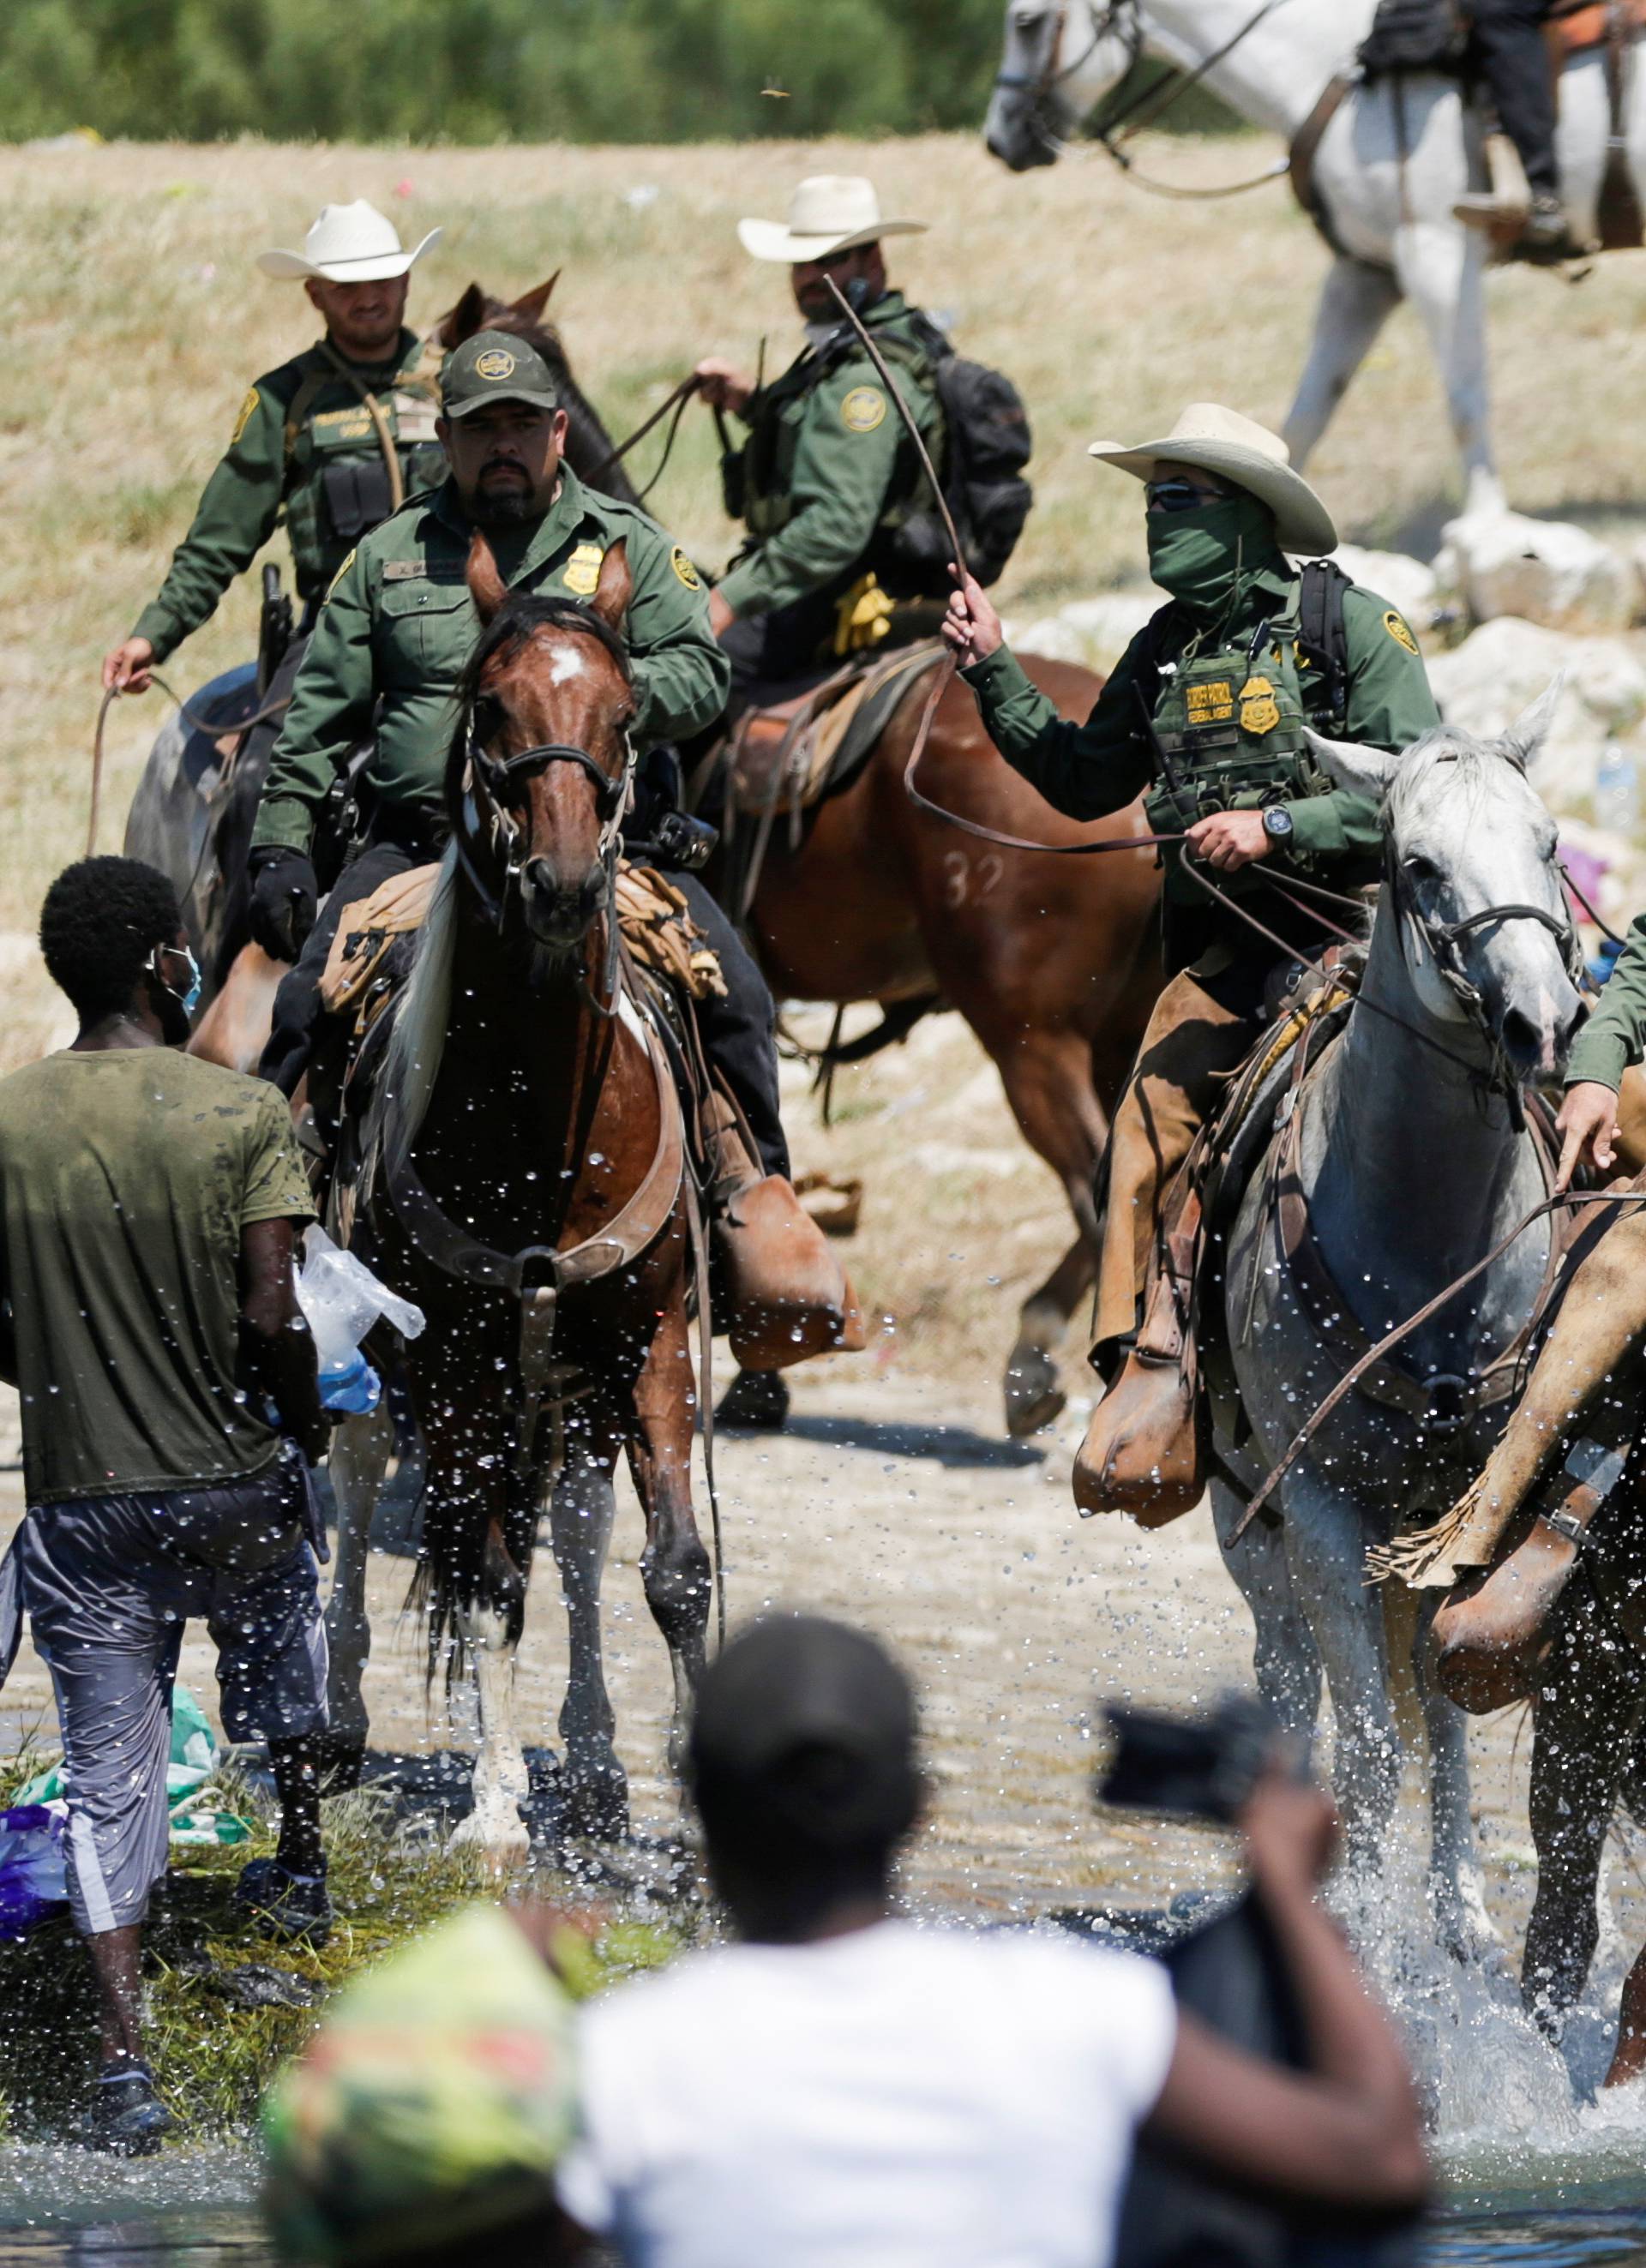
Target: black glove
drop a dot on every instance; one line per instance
(286, 897)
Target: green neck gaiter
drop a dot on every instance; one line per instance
(1200, 556)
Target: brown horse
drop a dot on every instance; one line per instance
(522, 1178)
(1053, 962)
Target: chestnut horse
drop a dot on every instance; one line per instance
(522, 1178)
(1053, 962)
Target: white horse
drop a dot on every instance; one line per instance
(1390, 217)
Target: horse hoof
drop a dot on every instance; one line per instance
(502, 1841)
(596, 1806)
(755, 1402)
(1034, 1398)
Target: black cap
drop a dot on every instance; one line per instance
(804, 1739)
(495, 366)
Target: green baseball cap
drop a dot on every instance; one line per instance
(495, 366)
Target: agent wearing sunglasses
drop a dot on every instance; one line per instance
(1204, 719)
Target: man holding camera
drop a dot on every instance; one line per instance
(837, 2084)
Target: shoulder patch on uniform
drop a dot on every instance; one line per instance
(342, 570)
(581, 576)
(1396, 626)
(863, 410)
(247, 410)
(684, 569)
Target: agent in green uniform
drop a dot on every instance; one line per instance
(1204, 717)
(1610, 1045)
(334, 438)
(827, 473)
(384, 663)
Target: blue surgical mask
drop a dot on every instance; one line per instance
(190, 1000)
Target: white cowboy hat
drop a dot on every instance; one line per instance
(827, 213)
(348, 244)
(1248, 456)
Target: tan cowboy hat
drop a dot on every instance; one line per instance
(827, 213)
(1248, 456)
(348, 244)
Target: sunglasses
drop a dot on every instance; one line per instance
(1177, 496)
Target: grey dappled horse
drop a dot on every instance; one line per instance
(1415, 1160)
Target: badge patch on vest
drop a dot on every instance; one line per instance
(244, 417)
(496, 362)
(684, 569)
(582, 569)
(1212, 703)
(863, 410)
(1260, 710)
(1395, 627)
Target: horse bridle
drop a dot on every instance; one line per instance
(497, 777)
(1444, 940)
(1120, 18)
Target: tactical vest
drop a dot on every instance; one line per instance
(759, 478)
(338, 486)
(1228, 736)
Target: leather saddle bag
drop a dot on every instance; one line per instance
(1147, 1450)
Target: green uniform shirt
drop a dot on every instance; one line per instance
(399, 624)
(126, 1179)
(1090, 771)
(296, 426)
(1615, 1034)
(828, 463)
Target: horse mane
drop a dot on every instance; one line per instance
(418, 1040)
(1477, 761)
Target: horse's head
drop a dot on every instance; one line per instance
(478, 310)
(1061, 57)
(540, 767)
(1472, 883)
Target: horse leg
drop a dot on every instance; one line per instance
(487, 1626)
(360, 1450)
(674, 1565)
(1441, 267)
(581, 1512)
(1587, 1706)
(1285, 1658)
(1355, 302)
(1047, 1076)
(1455, 1879)
(1326, 1553)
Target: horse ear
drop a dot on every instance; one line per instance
(486, 587)
(1351, 765)
(1530, 730)
(530, 304)
(615, 587)
(465, 319)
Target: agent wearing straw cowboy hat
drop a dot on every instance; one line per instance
(825, 473)
(334, 439)
(1204, 717)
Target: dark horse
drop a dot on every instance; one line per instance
(193, 808)
(523, 1180)
(1052, 962)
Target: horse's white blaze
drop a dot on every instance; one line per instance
(567, 664)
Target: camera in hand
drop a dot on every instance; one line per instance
(1201, 1767)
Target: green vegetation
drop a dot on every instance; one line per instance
(497, 70)
(214, 2051)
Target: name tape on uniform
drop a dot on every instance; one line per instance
(1212, 703)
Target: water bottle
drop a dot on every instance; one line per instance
(1617, 791)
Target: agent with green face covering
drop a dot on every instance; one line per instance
(1205, 718)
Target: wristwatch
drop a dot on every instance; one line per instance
(1277, 822)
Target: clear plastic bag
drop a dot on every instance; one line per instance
(341, 1299)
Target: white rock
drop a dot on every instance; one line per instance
(1501, 668)
(1406, 583)
(1094, 632)
(1541, 571)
